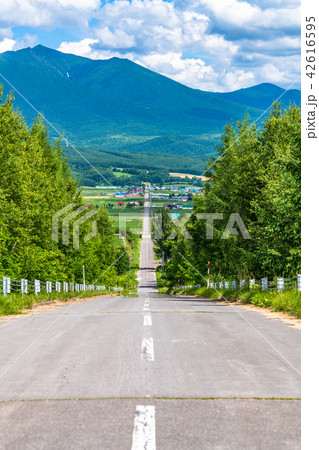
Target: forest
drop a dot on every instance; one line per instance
(256, 174)
(35, 183)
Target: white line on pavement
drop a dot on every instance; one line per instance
(144, 428)
(147, 350)
(147, 320)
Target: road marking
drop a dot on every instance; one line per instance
(144, 428)
(147, 320)
(146, 308)
(147, 350)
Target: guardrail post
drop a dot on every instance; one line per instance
(242, 284)
(264, 284)
(226, 284)
(57, 286)
(37, 287)
(252, 283)
(233, 285)
(24, 286)
(221, 285)
(6, 286)
(280, 284)
(48, 287)
(299, 282)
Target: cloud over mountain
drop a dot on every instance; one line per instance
(205, 44)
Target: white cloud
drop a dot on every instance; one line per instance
(117, 39)
(81, 48)
(232, 11)
(46, 13)
(190, 71)
(244, 14)
(237, 79)
(5, 32)
(27, 40)
(7, 45)
(272, 74)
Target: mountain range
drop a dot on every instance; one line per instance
(116, 105)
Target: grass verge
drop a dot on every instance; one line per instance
(288, 301)
(16, 303)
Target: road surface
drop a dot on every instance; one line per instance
(149, 371)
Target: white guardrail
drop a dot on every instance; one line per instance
(23, 286)
(264, 284)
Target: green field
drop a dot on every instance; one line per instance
(122, 174)
(90, 191)
(108, 201)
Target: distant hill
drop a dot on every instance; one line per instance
(118, 105)
(261, 96)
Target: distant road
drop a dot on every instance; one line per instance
(149, 370)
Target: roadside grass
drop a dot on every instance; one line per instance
(287, 301)
(16, 303)
(130, 224)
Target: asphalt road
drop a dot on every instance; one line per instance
(149, 370)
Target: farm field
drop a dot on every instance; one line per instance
(161, 202)
(187, 175)
(105, 197)
(105, 192)
(122, 174)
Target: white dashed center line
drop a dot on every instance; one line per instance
(144, 428)
(147, 320)
(147, 350)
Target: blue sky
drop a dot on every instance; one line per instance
(214, 45)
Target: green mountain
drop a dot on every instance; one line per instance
(116, 104)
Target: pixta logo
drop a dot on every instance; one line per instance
(67, 217)
(234, 225)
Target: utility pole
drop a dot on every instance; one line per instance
(83, 269)
(163, 262)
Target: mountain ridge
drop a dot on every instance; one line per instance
(116, 103)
